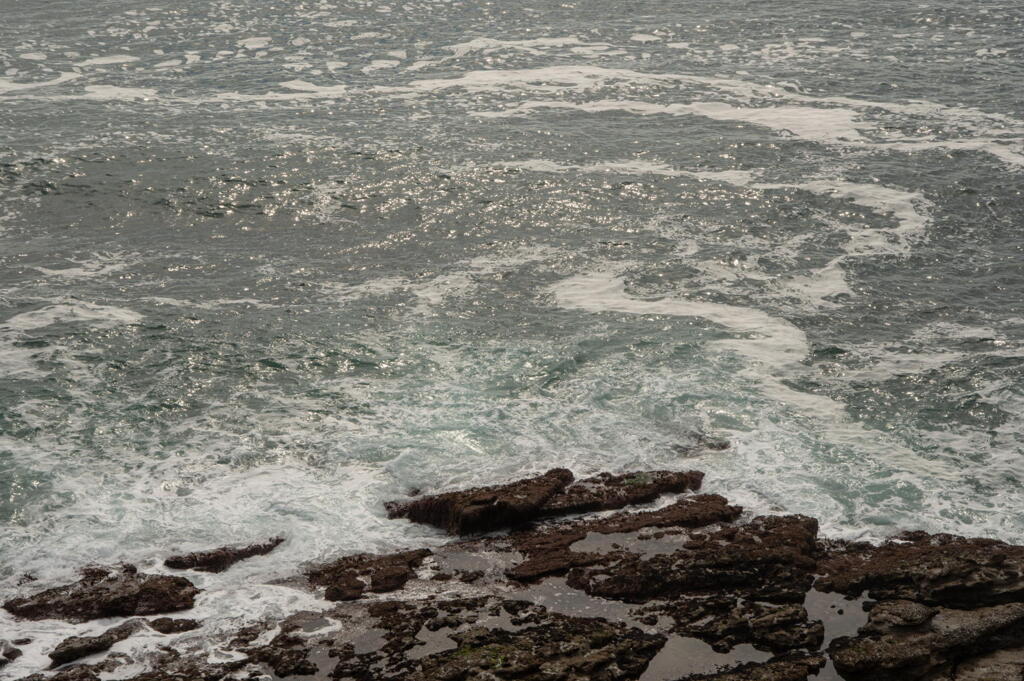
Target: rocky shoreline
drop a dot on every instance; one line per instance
(572, 581)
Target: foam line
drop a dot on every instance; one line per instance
(774, 349)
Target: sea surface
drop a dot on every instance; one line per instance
(264, 265)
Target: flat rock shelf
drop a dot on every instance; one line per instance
(631, 576)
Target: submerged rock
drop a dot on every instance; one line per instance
(218, 560)
(107, 593)
(483, 509)
(72, 648)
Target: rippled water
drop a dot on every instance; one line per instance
(265, 265)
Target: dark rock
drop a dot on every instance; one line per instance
(522, 641)
(107, 593)
(904, 653)
(772, 559)
(218, 560)
(173, 667)
(344, 578)
(946, 608)
(723, 620)
(8, 653)
(935, 569)
(471, 576)
(889, 615)
(795, 669)
(75, 673)
(1002, 664)
(607, 492)
(548, 550)
(287, 655)
(168, 625)
(484, 509)
(72, 648)
(559, 648)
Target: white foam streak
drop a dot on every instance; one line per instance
(826, 126)
(97, 316)
(772, 349)
(8, 85)
(838, 121)
(109, 59)
(297, 90)
(534, 46)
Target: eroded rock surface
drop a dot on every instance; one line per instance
(795, 669)
(106, 592)
(218, 560)
(548, 550)
(75, 647)
(770, 559)
(900, 644)
(483, 509)
(606, 492)
(936, 569)
(348, 578)
(168, 625)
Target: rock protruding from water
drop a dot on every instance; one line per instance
(937, 569)
(895, 647)
(75, 647)
(549, 550)
(169, 625)
(606, 492)
(8, 653)
(771, 559)
(103, 592)
(218, 560)
(484, 509)
(347, 578)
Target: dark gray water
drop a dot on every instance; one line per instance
(264, 265)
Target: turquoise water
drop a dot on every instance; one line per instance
(264, 266)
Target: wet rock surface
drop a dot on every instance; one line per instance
(770, 559)
(75, 647)
(8, 653)
(218, 560)
(104, 592)
(937, 569)
(168, 625)
(348, 578)
(549, 551)
(897, 647)
(688, 589)
(483, 509)
(607, 492)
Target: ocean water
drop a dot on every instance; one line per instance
(265, 265)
